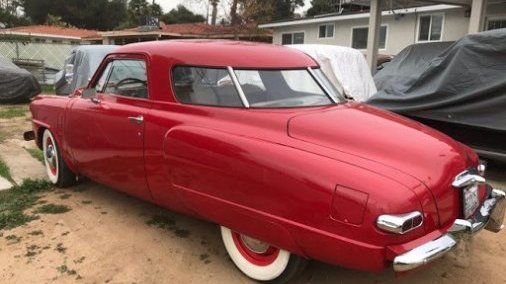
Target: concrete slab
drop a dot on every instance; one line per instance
(4, 184)
(21, 164)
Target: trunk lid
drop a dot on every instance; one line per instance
(394, 141)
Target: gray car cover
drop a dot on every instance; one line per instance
(86, 59)
(16, 85)
(463, 82)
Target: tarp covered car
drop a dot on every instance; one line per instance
(16, 85)
(345, 67)
(458, 88)
(80, 66)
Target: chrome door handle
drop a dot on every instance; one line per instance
(136, 119)
(95, 100)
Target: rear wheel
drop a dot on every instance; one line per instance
(56, 168)
(259, 260)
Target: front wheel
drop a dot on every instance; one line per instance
(57, 171)
(259, 260)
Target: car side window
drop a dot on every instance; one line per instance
(124, 77)
(205, 86)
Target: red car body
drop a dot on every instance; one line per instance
(310, 180)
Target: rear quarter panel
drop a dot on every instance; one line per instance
(48, 112)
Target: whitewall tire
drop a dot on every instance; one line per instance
(261, 261)
(57, 171)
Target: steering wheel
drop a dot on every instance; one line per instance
(130, 81)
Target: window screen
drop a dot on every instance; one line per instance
(430, 27)
(359, 37)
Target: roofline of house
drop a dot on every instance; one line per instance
(40, 35)
(115, 34)
(335, 18)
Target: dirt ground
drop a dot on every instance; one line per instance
(105, 238)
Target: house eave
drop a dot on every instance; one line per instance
(359, 16)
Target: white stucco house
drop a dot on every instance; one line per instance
(399, 27)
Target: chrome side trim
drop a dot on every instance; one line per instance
(237, 85)
(395, 223)
(424, 254)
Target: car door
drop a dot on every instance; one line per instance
(106, 130)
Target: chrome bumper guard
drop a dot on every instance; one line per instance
(490, 216)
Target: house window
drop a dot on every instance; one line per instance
(292, 38)
(496, 24)
(430, 27)
(359, 37)
(326, 31)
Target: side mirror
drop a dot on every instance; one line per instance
(88, 93)
(69, 73)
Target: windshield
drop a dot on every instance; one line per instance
(282, 88)
(253, 88)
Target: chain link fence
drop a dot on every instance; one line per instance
(52, 54)
(47, 58)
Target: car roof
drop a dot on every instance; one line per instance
(239, 54)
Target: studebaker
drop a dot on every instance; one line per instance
(254, 138)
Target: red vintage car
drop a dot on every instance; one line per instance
(254, 138)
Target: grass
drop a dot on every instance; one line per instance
(11, 112)
(36, 153)
(47, 89)
(168, 222)
(4, 171)
(64, 269)
(52, 209)
(65, 196)
(60, 248)
(36, 233)
(86, 202)
(14, 201)
(32, 250)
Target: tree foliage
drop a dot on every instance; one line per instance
(182, 15)
(9, 14)
(139, 11)
(262, 11)
(319, 7)
(90, 14)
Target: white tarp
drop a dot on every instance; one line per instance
(345, 67)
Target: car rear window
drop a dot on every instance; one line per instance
(205, 86)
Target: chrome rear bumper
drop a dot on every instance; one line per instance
(490, 216)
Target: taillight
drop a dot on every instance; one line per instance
(400, 223)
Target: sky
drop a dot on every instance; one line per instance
(200, 6)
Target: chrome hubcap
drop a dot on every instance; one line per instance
(255, 245)
(50, 156)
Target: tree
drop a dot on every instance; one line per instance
(319, 7)
(182, 15)
(9, 14)
(90, 14)
(246, 12)
(262, 11)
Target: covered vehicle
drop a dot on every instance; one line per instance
(79, 66)
(16, 85)
(345, 67)
(458, 88)
(255, 138)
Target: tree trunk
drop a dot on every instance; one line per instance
(214, 3)
(234, 19)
